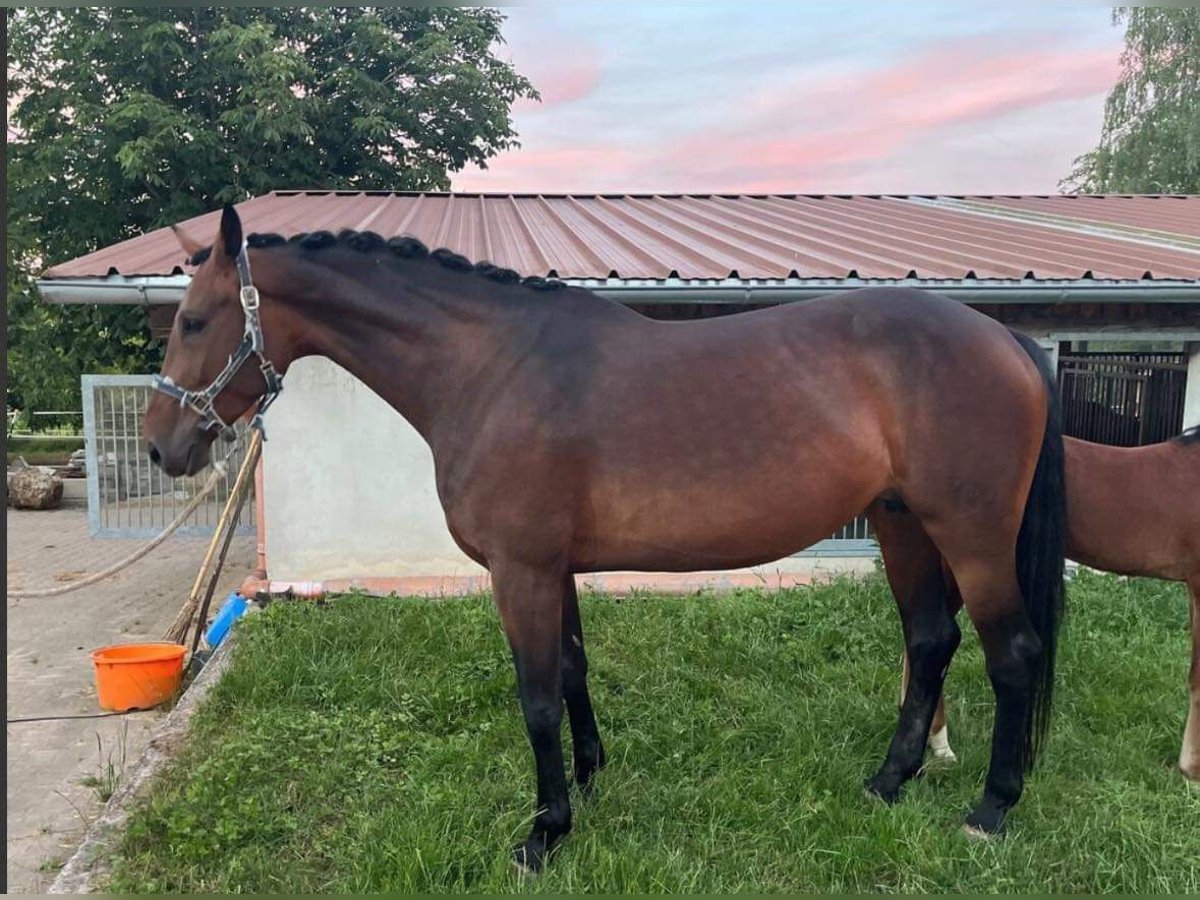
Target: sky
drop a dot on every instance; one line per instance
(804, 98)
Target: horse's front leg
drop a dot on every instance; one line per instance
(585, 736)
(530, 603)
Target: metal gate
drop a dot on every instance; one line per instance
(1125, 399)
(127, 495)
(855, 538)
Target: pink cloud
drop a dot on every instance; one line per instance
(812, 131)
(562, 67)
(939, 88)
(561, 79)
(591, 166)
(952, 111)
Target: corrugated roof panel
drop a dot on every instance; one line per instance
(1050, 249)
(612, 246)
(513, 243)
(820, 252)
(872, 232)
(663, 241)
(1168, 214)
(777, 251)
(644, 236)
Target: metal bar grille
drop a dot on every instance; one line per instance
(129, 497)
(1125, 399)
(855, 538)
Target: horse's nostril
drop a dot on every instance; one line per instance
(155, 456)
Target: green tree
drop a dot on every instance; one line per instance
(1150, 141)
(129, 119)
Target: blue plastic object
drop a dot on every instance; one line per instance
(232, 610)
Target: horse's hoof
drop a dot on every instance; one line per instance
(986, 821)
(977, 834)
(938, 759)
(523, 871)
(530, 857)
(527, 864)
(879, 788)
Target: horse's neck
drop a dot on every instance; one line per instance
(419, 344)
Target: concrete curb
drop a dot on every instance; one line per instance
(91, 859)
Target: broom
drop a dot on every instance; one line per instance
(221, 538)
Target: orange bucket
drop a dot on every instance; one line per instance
(137, 676)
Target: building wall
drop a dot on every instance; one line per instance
(348, 485)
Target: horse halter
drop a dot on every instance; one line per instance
(201, 402)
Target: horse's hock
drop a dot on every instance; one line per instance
(32, 488)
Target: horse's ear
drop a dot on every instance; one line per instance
(190, 245)
(229, 241)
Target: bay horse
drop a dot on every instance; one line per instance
(1131, 511)
(571, 434)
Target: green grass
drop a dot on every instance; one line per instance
(376, 745)
(43, 450)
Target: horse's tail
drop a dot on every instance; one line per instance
(1041, 548)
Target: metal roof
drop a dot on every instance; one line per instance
(661, 237)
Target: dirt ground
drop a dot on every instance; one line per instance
(58, 770)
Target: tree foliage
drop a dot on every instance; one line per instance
(1150, 141)
(129, 119)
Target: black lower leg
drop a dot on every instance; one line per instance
(530, 603)
(931, 636)
(1014, 656)
(543, 719)
(585, 735)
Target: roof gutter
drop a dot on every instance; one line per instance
(115, 290)
(167, 290)
(973, 292)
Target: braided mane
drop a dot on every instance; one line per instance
(401, 246)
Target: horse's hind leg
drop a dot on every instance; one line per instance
(531, 610)
(1189, 754)
(1014, 657)
(931, 635)
(939, 730)
(585, 736)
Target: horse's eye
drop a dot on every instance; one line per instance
(192, 326)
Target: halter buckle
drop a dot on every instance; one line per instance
(249, 295)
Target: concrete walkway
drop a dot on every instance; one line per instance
(50, 673)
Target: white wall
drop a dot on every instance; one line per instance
(1191, 399)
(348, 485)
